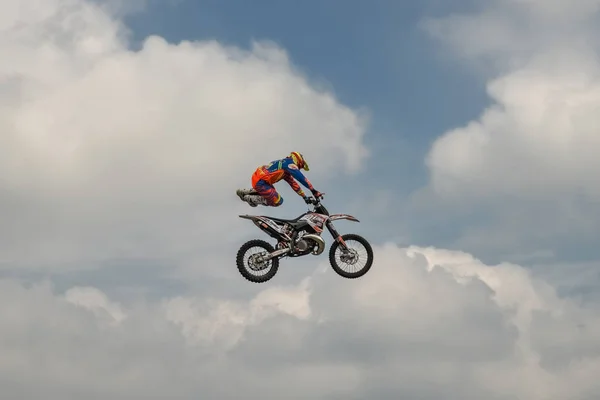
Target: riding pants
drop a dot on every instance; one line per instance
(268, 192)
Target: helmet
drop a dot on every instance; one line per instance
(299, 160)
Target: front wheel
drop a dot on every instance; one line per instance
(252, 266)
(351, 257)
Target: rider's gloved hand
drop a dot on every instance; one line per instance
(307, 200)
(317, 194)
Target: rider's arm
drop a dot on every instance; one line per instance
(289, 179)
(293, 170)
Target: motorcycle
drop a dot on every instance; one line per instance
(299, 237)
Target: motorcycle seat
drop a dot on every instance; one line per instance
(286, 221)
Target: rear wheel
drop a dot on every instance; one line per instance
(358, 259)
(249, 263)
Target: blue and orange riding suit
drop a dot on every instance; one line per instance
(287, 169)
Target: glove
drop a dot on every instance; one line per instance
(317, 194)
(307, 200)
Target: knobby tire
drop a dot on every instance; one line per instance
(244, 271)
(359, 273)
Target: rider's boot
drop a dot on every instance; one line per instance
(255, 200)
(244, 192)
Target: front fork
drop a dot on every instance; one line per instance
(336, 235)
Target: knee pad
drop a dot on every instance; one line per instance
(278, 201)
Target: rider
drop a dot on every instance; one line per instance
(265, 176)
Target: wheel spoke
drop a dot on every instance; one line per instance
(251, 268)
(354, 260)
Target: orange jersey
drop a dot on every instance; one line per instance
(282, 169)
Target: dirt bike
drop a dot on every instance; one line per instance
(299, 237)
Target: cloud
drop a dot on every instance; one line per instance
(525, 144)
(95, 300)
(113, 153)
(504, 34)
(529, 160)
(424, 322)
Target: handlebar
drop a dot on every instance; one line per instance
(314, 200)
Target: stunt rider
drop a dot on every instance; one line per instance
(265, 176)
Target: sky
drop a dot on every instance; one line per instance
(371, 55)
(461, 134)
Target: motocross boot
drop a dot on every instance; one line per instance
(244, 192)
(255, 200)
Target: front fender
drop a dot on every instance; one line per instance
(335, 217)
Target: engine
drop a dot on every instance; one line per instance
(302, 245)
(309, 243)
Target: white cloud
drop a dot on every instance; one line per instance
(111, 153)
(530, 159)
(538, 139)
(424, 322)
(538, 136)
(211, 321)
(504, 34)
(93, 299)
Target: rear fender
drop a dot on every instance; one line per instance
(265, 224)
(336, 217)
(258, 221)
(261, 218)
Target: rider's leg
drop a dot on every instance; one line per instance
(244, 192)
(267, 195)
(254, 200)
(256, 176)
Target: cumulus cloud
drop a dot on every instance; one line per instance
(530, 158)
(538, 139)
(110, 153)
(538, 136)
(96, 301)
(504, 34)
(424, 322)
(113, 153)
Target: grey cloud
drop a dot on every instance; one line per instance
(426, 323)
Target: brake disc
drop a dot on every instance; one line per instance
(349, 256)
(257, 265)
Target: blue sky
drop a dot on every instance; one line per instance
(373, 54)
